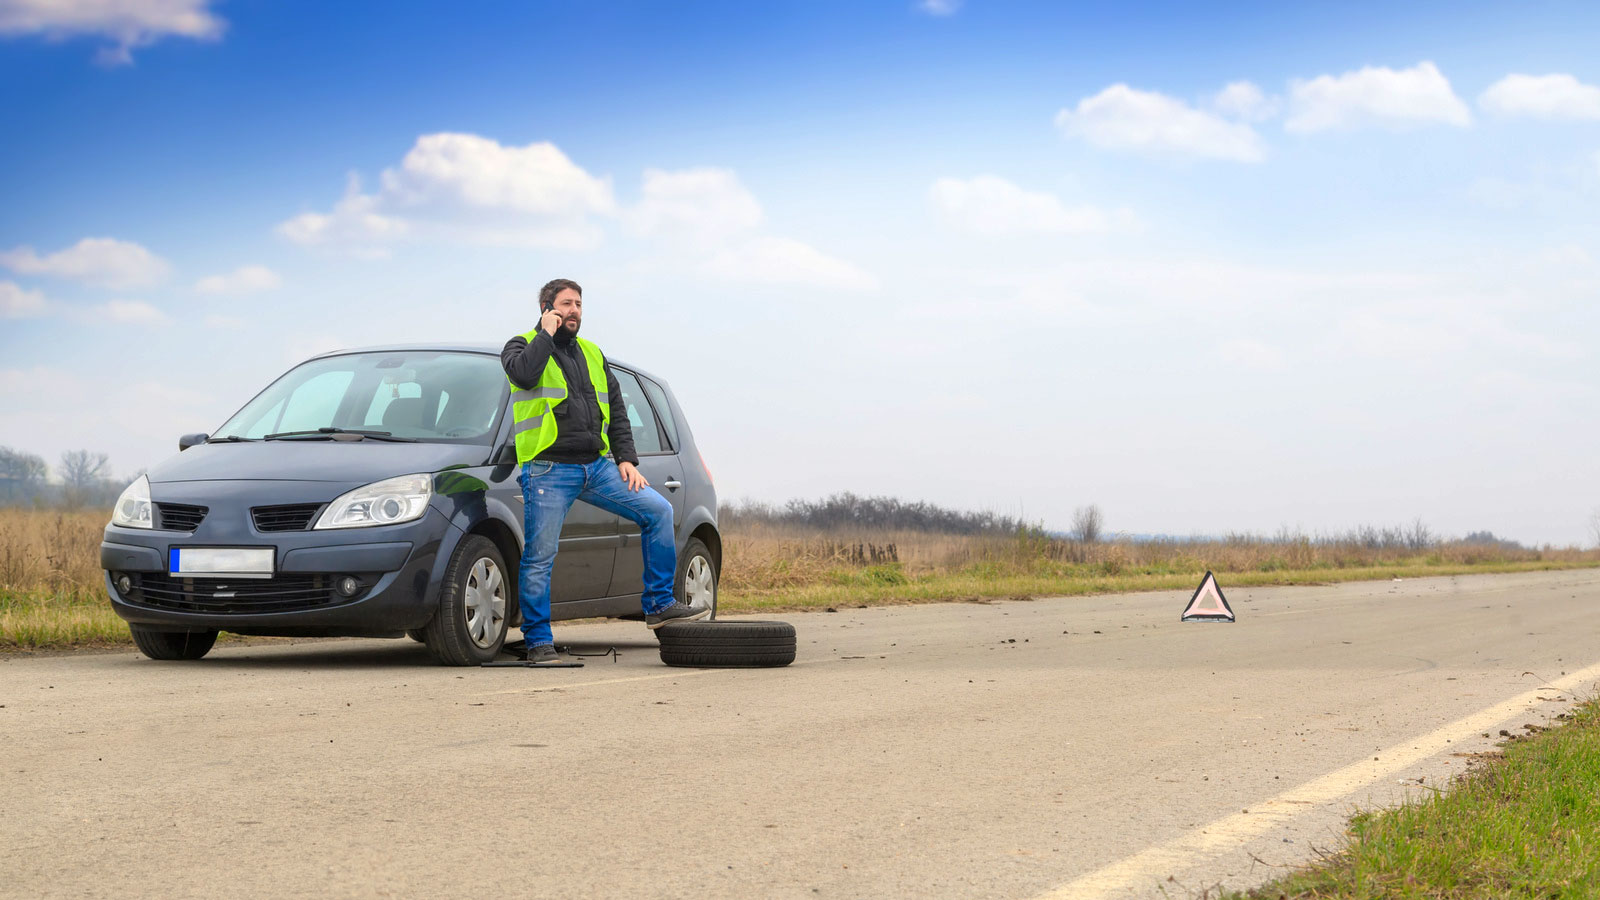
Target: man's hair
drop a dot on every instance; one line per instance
(547, 294)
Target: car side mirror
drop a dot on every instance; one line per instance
(505, 456)
(192, 440)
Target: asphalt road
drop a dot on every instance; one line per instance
(1089, 746)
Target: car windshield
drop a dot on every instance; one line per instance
(424, 396)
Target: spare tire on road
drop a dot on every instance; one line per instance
(718, 645)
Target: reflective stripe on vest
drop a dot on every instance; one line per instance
(533, 426)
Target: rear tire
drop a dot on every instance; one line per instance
(172, 644)
(696, 582)
(727, 645)
(470, 623)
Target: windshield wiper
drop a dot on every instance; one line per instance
(328, 432)
(230, 439)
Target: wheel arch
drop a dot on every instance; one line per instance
(708, 535)
(510, 547)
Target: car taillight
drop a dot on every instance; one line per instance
(705, 467)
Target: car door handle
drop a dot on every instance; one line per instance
(672, 485)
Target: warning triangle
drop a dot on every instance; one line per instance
(1208, 604)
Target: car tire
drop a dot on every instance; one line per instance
(172, 644)
(727, 645)
(696, 581)
(470, 624)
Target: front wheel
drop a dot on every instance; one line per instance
(696, 585)
(172, 644)
(470, 624)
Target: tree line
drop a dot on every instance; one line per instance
(82, 479)
(847, 510)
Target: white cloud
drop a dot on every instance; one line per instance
(1243, 100)
(127, 312)
(1554, 96)
(243, 280)
(228, 322)
(480, 172)
(779, 260)
(994, 207)
(130, 23)
(702, 203)
(1122, 118)
(354, 223)
(1375, 95)
(106, 262)
(468, 188)
(18, 303)
(939, 7)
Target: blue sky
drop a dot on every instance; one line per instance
(1211, 268)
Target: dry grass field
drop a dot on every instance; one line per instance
(52, 595)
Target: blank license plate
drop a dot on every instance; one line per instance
(219, 562)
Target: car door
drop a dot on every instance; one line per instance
(588, 547)
(658, 463)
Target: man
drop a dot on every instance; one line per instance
(566, 435)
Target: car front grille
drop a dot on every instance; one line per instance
(294, 517)
(282, 593)
(180, 516)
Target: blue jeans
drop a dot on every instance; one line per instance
(548, 490)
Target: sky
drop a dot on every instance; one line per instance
(1212, 267)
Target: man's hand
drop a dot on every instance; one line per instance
(631, 476)
(550, 321)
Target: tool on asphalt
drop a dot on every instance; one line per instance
(1208, 604)
(519, 649)
(712, 644)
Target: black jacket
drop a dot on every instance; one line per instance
(577, 417)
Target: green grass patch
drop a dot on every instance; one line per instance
(1524, 825)
(38, 621)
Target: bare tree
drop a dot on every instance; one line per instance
(1087, 524)
(82, 471)
(1594, 525)
(1419, 536)
(22, 475)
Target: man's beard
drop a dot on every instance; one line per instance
(565, 334)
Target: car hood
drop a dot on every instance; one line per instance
(341, 461)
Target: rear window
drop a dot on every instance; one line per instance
(658, 397)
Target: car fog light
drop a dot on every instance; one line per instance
(124, 583)
(348, 586)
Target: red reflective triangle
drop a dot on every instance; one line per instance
(1208, 604)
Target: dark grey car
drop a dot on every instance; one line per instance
(373, 493)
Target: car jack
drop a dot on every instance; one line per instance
(518, 650)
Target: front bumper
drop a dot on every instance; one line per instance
(398, 568)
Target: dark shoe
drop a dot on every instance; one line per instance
(543, 653)
(677, 612)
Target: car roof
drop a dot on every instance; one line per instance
(490, 349)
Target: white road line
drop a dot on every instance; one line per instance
(559, 686)
(1150, 867)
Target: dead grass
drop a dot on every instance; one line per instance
(52, 593)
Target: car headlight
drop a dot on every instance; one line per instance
(134, 509)
(387, 502)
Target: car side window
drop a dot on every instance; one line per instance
(646, 438)
(658, 397)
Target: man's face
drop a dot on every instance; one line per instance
(569, 303)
